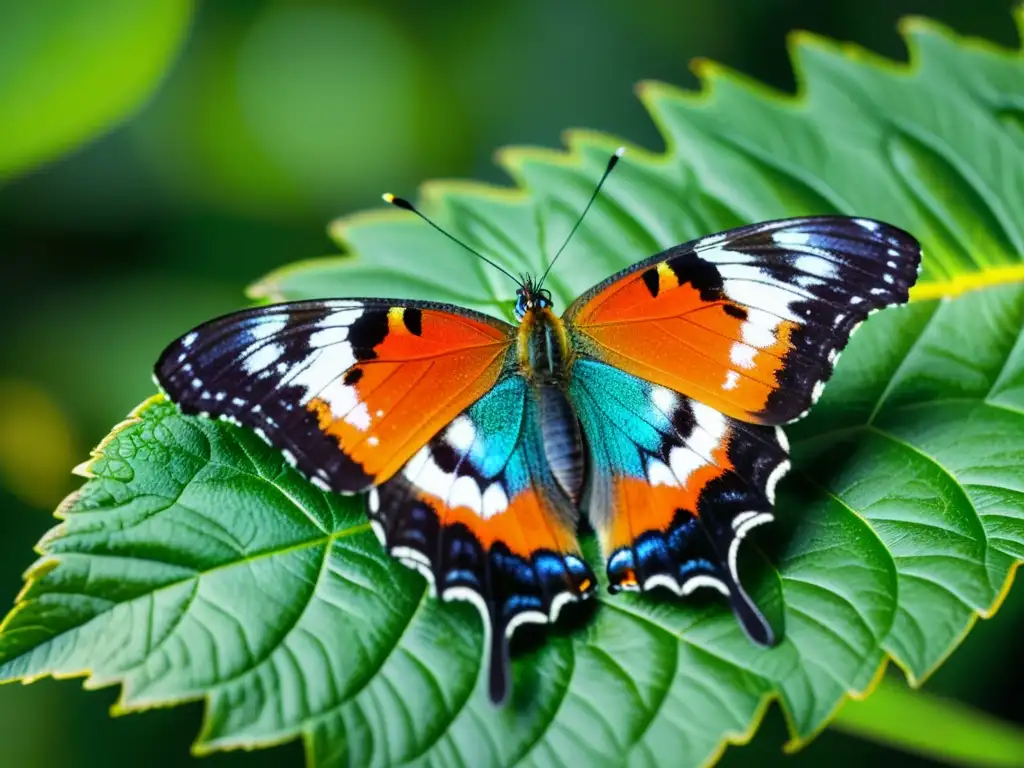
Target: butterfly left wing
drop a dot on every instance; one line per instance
(348, 389)
(748, 321)
(478, 511)
(674, 486)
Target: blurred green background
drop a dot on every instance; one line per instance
(259, 122)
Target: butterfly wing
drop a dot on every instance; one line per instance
(675, 486)
(479, 513)
(349, 389)
(749, 321)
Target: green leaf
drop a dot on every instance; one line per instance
(196, 563)
(68, 71)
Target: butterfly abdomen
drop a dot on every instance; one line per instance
(545, 361)
(563, 445)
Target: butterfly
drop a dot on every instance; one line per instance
(653, 405)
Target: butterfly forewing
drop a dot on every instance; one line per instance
(749, 321)
(349, 389)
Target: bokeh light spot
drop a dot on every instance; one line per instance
(37, 444)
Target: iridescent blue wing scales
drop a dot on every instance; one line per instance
(674, 486)
(478, 511)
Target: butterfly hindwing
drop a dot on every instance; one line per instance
(478, 511)
(749, 321)
(675, 486)
(348, 389)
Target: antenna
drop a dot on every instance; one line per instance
(399, 202)
(611, 164)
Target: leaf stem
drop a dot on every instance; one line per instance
(938, 728)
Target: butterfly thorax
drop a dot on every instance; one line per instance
(543, 346)
(545, 360)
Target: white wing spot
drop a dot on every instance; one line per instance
(466, 493)
(345, 404)
(815, 265)
(658, 473)
(664, 399)
(328, 336)
(703, 580)
(461, 434)
(773, 480)
(782, 237)
(783, 441)
(685, 461)
(742, 355)
(701, 444)
(378, 529)
(759, 329)
(741, 526)
(763, 291)
(266, 329)
(424, 472)
(526, 617)
(262, 358)
(323, 372)
(494, 501)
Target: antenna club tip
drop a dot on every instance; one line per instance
(620, 152)
(398, 202)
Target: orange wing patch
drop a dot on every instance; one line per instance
(642, 506)
(346, 389)
(716, 351)
(749, 321)
(525, 526)
(420, 369)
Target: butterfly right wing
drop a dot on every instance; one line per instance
(675, 486)
(479, 513)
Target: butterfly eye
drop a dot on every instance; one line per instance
(521, 306)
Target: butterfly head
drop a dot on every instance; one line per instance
(530, 297)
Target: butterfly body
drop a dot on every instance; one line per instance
(546, 358)
(652, 405)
